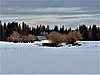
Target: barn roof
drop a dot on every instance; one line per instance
(41, 38)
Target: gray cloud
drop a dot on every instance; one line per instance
(60, 12)
(51, 3)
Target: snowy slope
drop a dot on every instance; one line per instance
(30, 58)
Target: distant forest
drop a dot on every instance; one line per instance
(91, 33)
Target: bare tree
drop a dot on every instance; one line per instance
(55, 37)
(15, 37)
(31, 38)
(73, 36)
(24, 38)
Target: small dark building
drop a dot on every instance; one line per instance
(46, 42)
(40, 38)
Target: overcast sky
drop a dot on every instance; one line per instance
(70, 13)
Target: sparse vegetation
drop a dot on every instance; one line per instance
(16, 37)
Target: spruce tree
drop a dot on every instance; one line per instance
(94, 32)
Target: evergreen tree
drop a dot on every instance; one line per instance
(25, 29)
(33, 31)
(69, 30)
(4, 32)
(0, 30)
(8, 30)
(90, 33)
(19, 29)
(98, 33)
(43, 27)
(94, 32)
(48, 27)
(56, 28)
(84, 31)
(62, 30)
(66, 31)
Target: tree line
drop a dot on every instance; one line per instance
(91, 33)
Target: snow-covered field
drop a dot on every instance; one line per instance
(29, 58)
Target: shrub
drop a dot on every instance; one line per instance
(55, 37)
(24, 39)
(31, 38)
(73, 36)
(14, 37)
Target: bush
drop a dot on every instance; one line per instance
(73, 36)
(24, 39)
(55, 37)
(31, 38)
(14, 37)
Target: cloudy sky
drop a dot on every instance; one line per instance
(70, 13)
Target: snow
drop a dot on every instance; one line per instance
(45, 41)
(32, 58)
